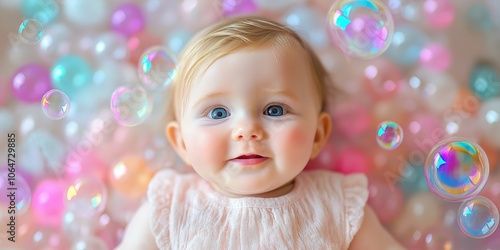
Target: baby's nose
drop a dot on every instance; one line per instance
(248, 131)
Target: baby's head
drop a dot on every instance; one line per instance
(249, 100)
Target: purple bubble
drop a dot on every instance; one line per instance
(236, 7)
(30, 82)
(128, 19)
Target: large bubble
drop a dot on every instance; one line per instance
(456, 169)
(360, 28)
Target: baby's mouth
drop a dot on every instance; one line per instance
(250, 159)
(251, 156)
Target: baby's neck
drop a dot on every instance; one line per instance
(285, 189)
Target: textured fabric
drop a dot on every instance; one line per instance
(324, 210)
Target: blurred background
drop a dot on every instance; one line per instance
(82, 164)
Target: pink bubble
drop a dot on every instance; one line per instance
(385, 198)
(127, 19)
(48, 202)
(30, 82)
(85, 163)
(352, 160)
(237, 7)
(435, 57)
(439, 14)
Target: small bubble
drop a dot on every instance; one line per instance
(31, 31)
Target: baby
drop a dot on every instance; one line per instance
(249, 111)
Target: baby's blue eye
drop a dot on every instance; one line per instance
(218, 113)
(274, 110)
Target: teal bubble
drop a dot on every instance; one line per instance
(70, 74)
(484, 82)
(45, 11)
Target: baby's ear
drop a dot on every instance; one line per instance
(323, 129)
(174, 136)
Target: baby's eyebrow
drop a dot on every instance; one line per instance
(208, 97)
(289, 94)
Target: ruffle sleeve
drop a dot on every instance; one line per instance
(355, 190)
(159, 195)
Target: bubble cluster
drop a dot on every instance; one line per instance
(55, 104)
(456, 169)
(156, 68)
(478, 217)
(389, 135)
(130, 105)
(31, 31)
(360, 28)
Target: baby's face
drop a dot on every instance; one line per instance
(250, 121)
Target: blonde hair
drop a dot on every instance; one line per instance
(231, 35)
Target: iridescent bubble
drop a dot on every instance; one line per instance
(361, 28)
(456, 169)
(389, 135)
(86, 196)
(156, 68)
(55, 104)
(31, 31)
(484, 82)
(130, 105)
(478, 217)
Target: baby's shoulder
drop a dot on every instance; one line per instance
(165, 183)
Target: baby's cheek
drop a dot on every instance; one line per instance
(204, 146)
(296, 141)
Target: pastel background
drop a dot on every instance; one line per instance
(82, 167)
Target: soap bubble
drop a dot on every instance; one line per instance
(130, 105)
(456, 169)
(389, 135)
(478, 217)
(31, 31)
(86, 196)
(361, 28)
(55, 104)
(156, 68)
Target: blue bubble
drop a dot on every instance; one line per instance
(45, 11)
(406, 45)
(484, 82)
(478, 217)
(70, 74)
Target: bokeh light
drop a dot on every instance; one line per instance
(361, 28)
(456, 169)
